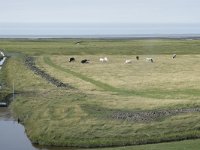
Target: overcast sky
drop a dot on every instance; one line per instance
(100, 11)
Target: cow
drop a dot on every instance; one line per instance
(71, 59)
(174, 56)
(101, 59)
(105, 59)
(149, 60)
(84, 61)
(137, 57)
(128, 61)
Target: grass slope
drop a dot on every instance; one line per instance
(88, 115)
(81, 117)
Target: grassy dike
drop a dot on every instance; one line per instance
(81, 117)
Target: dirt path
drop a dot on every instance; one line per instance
(30, 62)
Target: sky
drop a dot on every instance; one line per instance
(99, 16)
(100, 11)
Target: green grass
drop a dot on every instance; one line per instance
(81, 117)
(4, 91)
(183, 145)
(104, 86)
(152, 93)
(92, 46)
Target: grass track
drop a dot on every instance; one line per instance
(104, 86)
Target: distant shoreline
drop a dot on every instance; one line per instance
(136, 36)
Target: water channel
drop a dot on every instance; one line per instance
(13, 136)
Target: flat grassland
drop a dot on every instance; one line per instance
(111, 104)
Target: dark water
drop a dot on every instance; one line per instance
(13, 136)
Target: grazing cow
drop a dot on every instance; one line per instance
(105, 59)
(84, 61)
(149, 60)
(71, 59)
(137, 57)
(128, 61)
(101, 59)
(174, 56)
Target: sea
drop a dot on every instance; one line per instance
(98, 30)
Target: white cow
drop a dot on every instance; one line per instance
(174, 56)
(149, 60)
(101, 60)
(128, 61)
(105, 59)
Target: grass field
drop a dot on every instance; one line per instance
(183, 145)
(83, 117)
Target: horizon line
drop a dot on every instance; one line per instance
(95, 36)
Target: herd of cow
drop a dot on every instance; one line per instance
(105, 59)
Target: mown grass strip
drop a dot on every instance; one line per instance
(150, 93)
(99, 84)
(104, 86)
